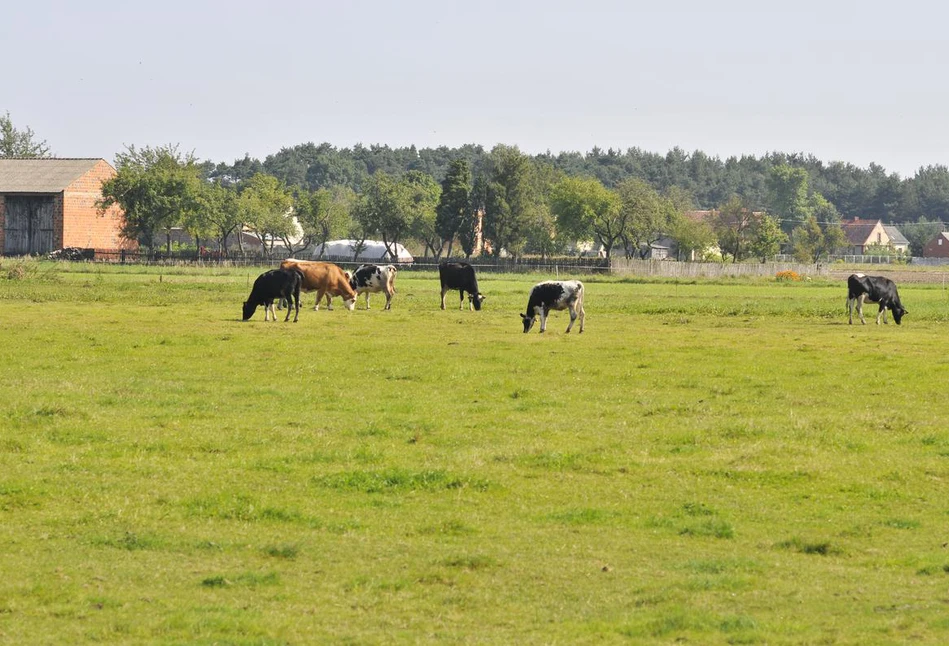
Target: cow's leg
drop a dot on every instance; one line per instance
(269, 311)
(860, 308)
(367, 299)
(293, 302)
(850, 310)
(583, 315)
(319, 297)
(444, 291)
(883, 314)
(543, 319)
(389, 293)
(573, 317)
(296, 307)
(461, 299)
(329, 301)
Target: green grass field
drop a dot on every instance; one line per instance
(709, 463)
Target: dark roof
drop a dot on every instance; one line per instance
(858, 231)
(41, 175)
(896, 236)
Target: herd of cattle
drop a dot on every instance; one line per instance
(328, 280)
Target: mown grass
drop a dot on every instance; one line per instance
(720, 462)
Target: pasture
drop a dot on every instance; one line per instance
(709, 462)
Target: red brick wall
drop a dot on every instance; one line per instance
(935, 250)
(82, 225)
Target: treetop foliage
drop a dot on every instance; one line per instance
(868, 193)
(19, 143)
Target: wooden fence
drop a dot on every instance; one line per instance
(554, 267)
(673, 269)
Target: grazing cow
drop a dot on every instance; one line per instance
(273, 285)
(370, 279)
(554, 295)
(324, 278)
(460, 276)
(875, 289)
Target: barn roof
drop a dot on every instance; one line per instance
(41, 175)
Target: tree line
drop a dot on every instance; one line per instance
(514, 202)
(526, 204)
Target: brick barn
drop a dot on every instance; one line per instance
(47, 204)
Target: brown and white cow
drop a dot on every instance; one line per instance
(324, 278)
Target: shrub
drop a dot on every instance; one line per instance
(18, 268)
(787, 276)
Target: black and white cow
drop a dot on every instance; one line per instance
(370, 279)
(460, 276)
(554, 295)
(272, 286)
(875, 289)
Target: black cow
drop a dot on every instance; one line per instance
(272, 286)
(460, 276)
(554, 295)
(875, 289)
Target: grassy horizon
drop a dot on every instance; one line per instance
(715, 462)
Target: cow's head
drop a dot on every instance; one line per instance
(350, 303)
(528, 322)
(476, 300)
(898, 313)
(250, 308)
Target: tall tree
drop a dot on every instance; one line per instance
(587, 210)
(19, 143)
(325, 214)
(647, 215)
(812, 242)
(157, 188)
(511, 199)
(217, 207)
(424, 194)
(386, 210)
(454, 203)
(693, 236)
(265, 206)
(788, 195)
(732, 226)
(765, 237)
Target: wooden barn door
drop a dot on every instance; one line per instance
(29, 225)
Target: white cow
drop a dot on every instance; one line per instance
(369, 279)
(554, 295)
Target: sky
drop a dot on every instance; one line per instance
(857, 82)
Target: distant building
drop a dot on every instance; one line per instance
(47, 204)
(862, 234)
(938, 247)
(897, 240)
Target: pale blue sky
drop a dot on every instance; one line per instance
(858, 82)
